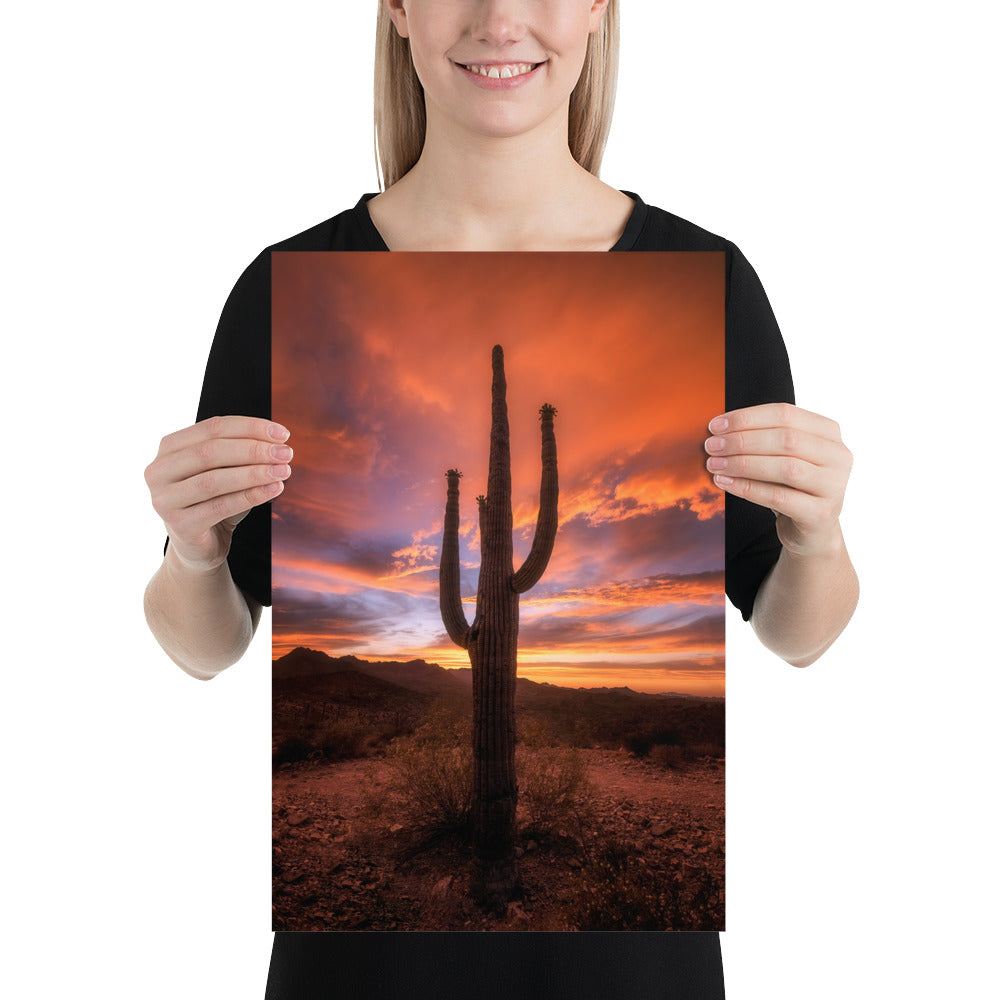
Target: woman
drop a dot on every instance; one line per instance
(492, 116)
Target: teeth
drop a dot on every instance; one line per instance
(500, 72)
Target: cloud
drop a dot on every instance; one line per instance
(652, 591)
(623, 631)
(414, 559)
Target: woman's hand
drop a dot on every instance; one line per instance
(789, 460)
(206, 478)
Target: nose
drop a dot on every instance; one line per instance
(498, 22)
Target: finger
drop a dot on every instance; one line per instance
(224, 427)
(217, 483)
(778, 441)
(216, 453)
(803, 508)
(776, 415)
(194, 521)
(783, 470)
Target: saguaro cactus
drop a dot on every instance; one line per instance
(492, 638)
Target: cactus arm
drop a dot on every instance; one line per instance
(483, 531)
(450, 593)
(548, 510)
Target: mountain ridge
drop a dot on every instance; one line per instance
(420, 675)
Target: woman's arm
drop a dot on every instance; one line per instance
(805, 602)
(795, 463)
(203, 621)
(203, 482)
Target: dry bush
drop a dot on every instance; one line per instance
(332, 740)
(553, 789)
(667, 755)
(424, 782)
(641, 740)
(290, 749)
(672, 756)
(533, 731)
(614, 892)
(583, 733)
(341, 740)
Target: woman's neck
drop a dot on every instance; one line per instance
(476, 192)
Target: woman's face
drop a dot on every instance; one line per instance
(513, 35)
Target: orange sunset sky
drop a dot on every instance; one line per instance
(381, 370)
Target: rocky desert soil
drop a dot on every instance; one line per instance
(666, 828)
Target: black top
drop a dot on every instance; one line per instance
(461, 965)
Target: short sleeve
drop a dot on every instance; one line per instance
(757, 371)
(238, 382)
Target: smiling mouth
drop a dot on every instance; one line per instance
(502, 71)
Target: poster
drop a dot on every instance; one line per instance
(498, 592)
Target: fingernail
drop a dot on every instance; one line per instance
(280, 471)
(718, 424)
(281, 452)
(725, 480)
(715, 444)
(271, 488)
(278, 432)
(717, 464)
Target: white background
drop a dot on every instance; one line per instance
(153, 150)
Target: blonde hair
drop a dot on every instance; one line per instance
(401, 122)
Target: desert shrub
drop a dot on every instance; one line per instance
(424, 781)
(615, 892)
(331, 740)
(639, 744)
(583, 733)
(533, 731)
(641, 741)
(291, 749)
(341, 740)
(667, 755)
(670, 755)
(553, 788)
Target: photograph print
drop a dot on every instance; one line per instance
(498, 692)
